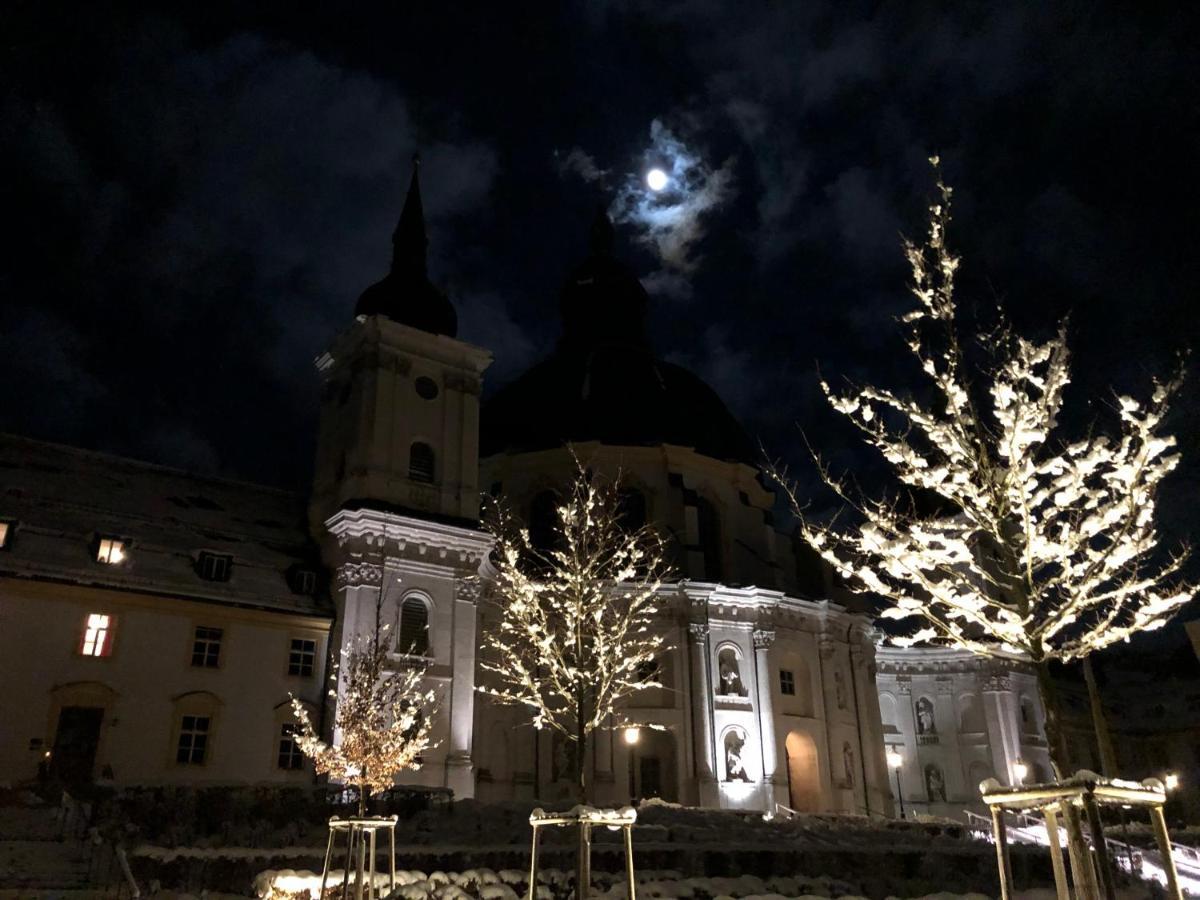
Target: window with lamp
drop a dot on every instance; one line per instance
(111, 551)
(97, 635)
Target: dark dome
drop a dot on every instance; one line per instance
(409, 301)
(406, 295)
(614, 395)
(603, 382)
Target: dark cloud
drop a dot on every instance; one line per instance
(200, 197)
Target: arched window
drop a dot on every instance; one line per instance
(631, 510)
(414, 627)
(1029, 716)
(888, 714)
(970, 715)
(543, 520)
(729, 674)
(709, 525)
(421, 463)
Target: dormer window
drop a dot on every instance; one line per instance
(214, 566)
(6, 532)
(111, 551)
(302, 581)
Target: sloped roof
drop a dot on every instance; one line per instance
(63, 498)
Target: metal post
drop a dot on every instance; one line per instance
(632, 770)
(899, 792)
(1103, 862)
(349, 861)
(628, 829)
(533, 861)
(1056, 860)
(392, 832)
(585, 861)
(1002, 863)
(1164, 850)
(328, 855)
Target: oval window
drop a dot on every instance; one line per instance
(427, 388)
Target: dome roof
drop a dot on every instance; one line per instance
(603, 382)
(406, 295)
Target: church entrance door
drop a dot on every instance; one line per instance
(804, 773)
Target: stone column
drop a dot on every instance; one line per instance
(459, 768)
(702, 714)
(763, 638)
(357, 585)
(1001, 726)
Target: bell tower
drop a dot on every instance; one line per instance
(399, 425)
(395, 502)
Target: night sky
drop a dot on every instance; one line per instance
(194, 200)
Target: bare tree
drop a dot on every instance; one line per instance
(575, 634)
(383, 717)
(1046, 546)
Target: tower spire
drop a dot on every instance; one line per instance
(409, 241)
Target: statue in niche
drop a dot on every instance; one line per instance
(935, 784)
(839, 688)
(735, 768)
(730, 677)
(848, 764)
(925, 721)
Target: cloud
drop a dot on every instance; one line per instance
(580, 163)
(672, 221)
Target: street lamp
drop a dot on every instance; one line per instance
(632, 735)
(1020, 770)
(895, 760)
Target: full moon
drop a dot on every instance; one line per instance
(656, 179)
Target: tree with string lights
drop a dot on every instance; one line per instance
(576, 634)
(1045, 545)
(383, 717)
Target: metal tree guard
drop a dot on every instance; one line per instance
(1086, 791)
(360, 850)
(586, 819)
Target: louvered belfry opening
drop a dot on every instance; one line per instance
(414, 628)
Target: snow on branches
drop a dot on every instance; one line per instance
(575, 633)
(1045, 546)
(383, 717)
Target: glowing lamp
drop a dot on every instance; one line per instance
(1171, 781)
(894, 759)
(1020, 770)
(657, 179)
(632, 734)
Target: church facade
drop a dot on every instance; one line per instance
(771, 687)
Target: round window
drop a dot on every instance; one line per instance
(427, 388)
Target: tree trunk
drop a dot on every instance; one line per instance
(1108, 757)
(362, 800)
(1082, 872)
(1056, 738)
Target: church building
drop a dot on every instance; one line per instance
(157, 622)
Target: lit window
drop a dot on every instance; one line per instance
(214, 566)
(787, 683)
(110, 551)
(193, 740)
(290, 756)
(97, 636)
(301, 657)
(206, 647)
(6, 530)
(414, 628)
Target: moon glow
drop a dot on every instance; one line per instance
(656, 179)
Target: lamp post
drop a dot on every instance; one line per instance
(895, 760)
(632, 736)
